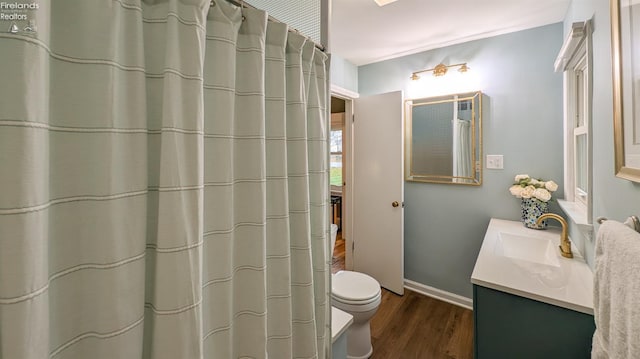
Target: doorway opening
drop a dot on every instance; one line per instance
(374, 184)
(342, 102)
(337, 179)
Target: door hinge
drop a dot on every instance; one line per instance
(353, 118)
(353, 246)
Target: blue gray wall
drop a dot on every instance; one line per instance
(445, 224)
(343, 73)
(613, 197)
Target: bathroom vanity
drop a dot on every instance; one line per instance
(340, 322)
(528, 300)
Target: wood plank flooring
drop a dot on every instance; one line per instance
(337, 263)
(416, 326)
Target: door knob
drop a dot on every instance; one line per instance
(395, 204)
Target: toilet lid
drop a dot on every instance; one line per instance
(354, 286)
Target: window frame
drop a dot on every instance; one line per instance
(341, 153)
(339, 123)
(581, 121)
(575, 59)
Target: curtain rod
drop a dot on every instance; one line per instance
(242, 4)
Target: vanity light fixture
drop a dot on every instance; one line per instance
(441, 70)
(384, 2)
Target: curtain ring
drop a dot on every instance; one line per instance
(212, 4)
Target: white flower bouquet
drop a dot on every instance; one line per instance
(527, 187)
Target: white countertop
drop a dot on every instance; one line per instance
(569, 284)
(340, 322)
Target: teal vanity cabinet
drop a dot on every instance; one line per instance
(529, 302)
(509, 326)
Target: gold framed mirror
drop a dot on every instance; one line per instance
(443, 139)
(625, 35)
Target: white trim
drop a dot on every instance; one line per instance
(568, 112)
(325, 21)
(577, 213)
(571, 43)
(576, 55)
(439, 294)
(343, 93)
(347, 163)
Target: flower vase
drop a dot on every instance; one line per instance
(532, 209)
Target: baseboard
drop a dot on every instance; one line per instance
(439, 294)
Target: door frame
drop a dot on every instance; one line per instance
(347, 163)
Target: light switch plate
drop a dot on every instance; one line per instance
(495, 162)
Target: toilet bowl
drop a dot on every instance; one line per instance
(359, 295)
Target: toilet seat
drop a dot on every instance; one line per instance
(359, 295)
(354, 288)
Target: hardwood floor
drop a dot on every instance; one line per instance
(337, 263)
(416, 326)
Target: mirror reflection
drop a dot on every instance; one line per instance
(443, 139)
(626, 86)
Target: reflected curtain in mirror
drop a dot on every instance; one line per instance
(443, 139)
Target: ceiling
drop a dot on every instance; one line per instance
(363, 32)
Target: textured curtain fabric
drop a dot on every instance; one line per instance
(266, 190)
(163, 184)
(462, 151)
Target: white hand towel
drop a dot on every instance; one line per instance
(616, 293)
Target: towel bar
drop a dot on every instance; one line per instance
(632, 221)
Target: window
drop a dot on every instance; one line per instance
(336, 158)
(574, 61)
(581, 132)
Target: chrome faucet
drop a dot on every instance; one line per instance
(565, 245)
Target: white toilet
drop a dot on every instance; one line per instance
(359, 295)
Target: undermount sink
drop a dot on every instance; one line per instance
(527, 262)
(528, 249)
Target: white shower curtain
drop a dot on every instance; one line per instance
(463, 165)
(267, 160)
(161, 194)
